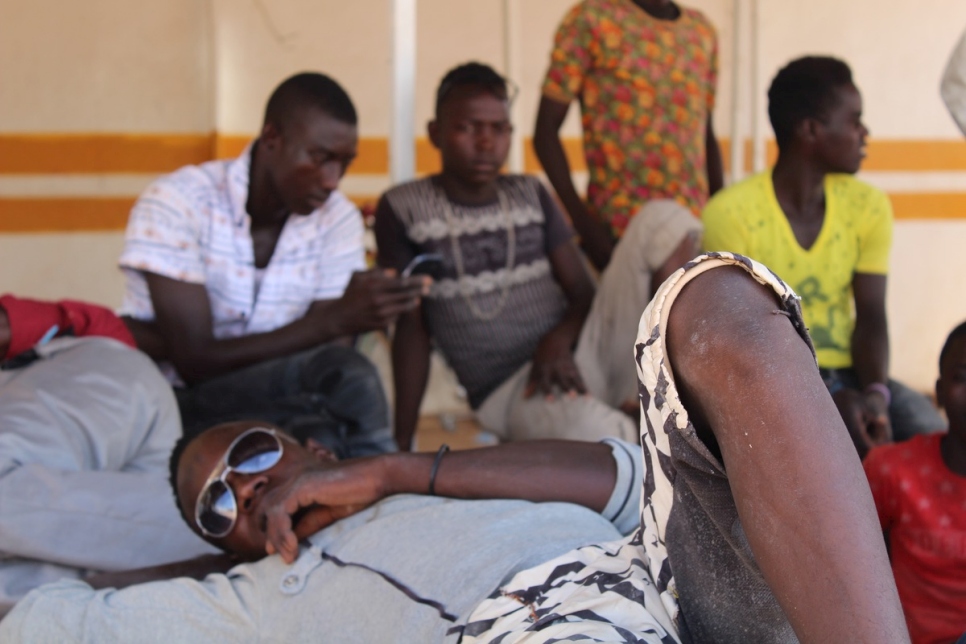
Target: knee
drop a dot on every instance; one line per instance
(338, 368)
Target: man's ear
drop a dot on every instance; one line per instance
(321, 452)
(806, 131)
(270, 137)
(432, 128)
(939, 393)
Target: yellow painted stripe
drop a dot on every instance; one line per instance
(63, 215)
(144, 153)
(373, 152)
(76, 214)
(100, 153)
(104, 214)
(929, 205)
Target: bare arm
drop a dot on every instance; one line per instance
(410, 370)
(870, 339)
(197, 568)
(569, 471)
(712, 152)
(865, 411)
(371, 301)
(553, 361)
(595, 238)
(797, 483)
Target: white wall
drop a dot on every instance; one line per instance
(197, 66)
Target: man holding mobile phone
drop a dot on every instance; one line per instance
(246, 279)
(513, 309)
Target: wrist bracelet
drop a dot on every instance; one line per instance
(880, 388)
(432, 473)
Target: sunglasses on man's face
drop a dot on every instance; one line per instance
(254, 451)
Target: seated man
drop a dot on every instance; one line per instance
(919, 488)
(243, 273)
(828, 235)
(748, 488)
(513, 308)
(86, 428)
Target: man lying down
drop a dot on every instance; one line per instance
(756, 523)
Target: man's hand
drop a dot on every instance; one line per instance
(374, 299)
(553, 364)
(318, 497)
(866, 418)
(877, 418)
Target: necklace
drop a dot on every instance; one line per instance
(464, 286)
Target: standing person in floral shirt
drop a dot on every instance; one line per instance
(644, 72)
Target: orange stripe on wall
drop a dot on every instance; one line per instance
(144, 153)
(100, 153)
(149, 153)
(77, 214)
(372, 158)
(929, 205)
(63, 215)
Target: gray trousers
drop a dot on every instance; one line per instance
(605, 351)
(330, 393)
(85, 436)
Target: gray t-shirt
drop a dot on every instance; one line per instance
(408, 569)
(485, 312)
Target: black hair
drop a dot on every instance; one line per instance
(477, 75)
(173, 463)
(309, 89)
(948, 345)
(804, 88)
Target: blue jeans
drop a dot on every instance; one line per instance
(330, 393)
(910, 412)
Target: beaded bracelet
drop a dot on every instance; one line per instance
(432, 473)
(880, 388)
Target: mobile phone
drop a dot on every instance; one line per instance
(426, 264)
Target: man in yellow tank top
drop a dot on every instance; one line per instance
(828, 235)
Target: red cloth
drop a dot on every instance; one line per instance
(31, 319)
(922, 505)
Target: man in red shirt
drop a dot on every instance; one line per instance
(919, 488)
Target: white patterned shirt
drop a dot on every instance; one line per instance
(192, 226)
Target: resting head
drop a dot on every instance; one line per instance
(951, 386)
(472, 126)
(816, 110)
(266, 456)
(308, 139)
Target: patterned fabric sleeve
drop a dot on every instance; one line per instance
(344, 250)
(571, 56)
(162, 235)
(876, 240)
(712, 70)
(884, 489)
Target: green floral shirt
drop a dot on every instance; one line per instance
(646, 89)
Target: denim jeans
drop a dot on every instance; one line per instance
(910, 412)
(330, 393)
